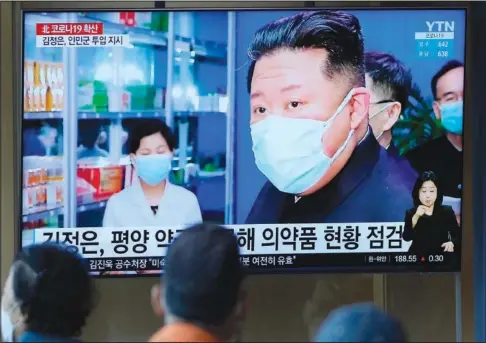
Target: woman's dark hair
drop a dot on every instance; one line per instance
(148, 127)
(53, 288)
(424, 177)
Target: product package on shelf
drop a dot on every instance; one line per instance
(119, 99)
(42, 184)
(99, 182)
(93, 96)
(142, 97)
(96, 96)
(43, 86)
(47, 222)
(213, 102)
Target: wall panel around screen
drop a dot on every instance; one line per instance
(343, 152)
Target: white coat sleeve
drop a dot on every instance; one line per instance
(109, 218)
(193, 211)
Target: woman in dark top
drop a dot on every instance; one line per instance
(431, 226)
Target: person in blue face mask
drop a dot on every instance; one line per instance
(151, 200)
(309, 126)
(443, 155)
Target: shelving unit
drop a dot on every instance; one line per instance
(201, 52)
(96, 115)
(40, 212)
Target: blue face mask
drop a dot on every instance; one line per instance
(153, 169)
(451, 117)
(289, 151)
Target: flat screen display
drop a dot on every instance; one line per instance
(327, 140)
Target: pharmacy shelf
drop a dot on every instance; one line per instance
(138, 35)
(197, 113)
(95, 205)
(211, 174)
(202, 50)
(40, 212)
(121, 115)
(207, 49)
(141, 36)
(42, 115)
(118, 115)
(96, 115)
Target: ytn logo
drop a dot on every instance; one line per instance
(440, 26)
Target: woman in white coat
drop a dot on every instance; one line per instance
(152, 201)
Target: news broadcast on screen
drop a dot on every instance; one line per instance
(326, 140)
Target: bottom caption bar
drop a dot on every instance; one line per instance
(445, 262)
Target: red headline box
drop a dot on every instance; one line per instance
(59, 29)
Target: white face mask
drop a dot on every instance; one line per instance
(378, 112)
(289, 151)
(7, 327)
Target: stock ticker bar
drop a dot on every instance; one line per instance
(255, 263)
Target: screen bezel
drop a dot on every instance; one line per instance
(398, 6)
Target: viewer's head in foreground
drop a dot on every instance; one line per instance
(202, 281)
(360, 323)
(48, 292)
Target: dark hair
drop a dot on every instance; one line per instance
(89, 132)
(360, 323)
(337, 32)
(424, 177)
(203, 275)
(453, 64)
(390, 75)
(53, 288)
(148, 127)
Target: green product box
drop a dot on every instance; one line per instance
(92, 96)
(142, 97)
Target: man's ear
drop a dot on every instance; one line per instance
(393, 113)
(156, 296)
(360, 103)
(435, 106)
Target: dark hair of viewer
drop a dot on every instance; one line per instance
(360, 322)
(148, 127)
(337, 32)
(203, 275)
(390, 75)
(451, 65)
(54, 290)
(424, 177)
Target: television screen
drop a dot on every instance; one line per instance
(326, 140)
